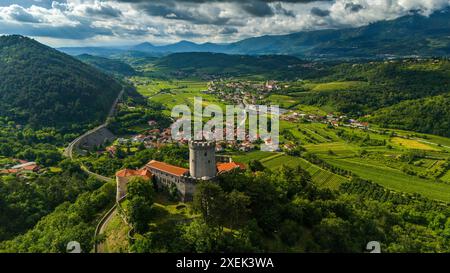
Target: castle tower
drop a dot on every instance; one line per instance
(202, 159)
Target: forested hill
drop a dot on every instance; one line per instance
(197, 63)
(428, 115)
(111, 66)
(41, 86)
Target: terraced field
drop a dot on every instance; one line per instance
(446, 177)
(335, 86)
(394, 179)
(321, 177)
(340, 149)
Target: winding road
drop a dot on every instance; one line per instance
(68, 152)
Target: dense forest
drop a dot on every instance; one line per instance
(429, 115)
(111, 66)
(41, 86)
(283, 211)
(382, 84)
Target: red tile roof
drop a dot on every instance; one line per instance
(167, 168)
(226, 167)
(9, 171)
(129, 173)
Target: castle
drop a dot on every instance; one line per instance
(202, 166)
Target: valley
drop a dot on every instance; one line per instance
(343, 159)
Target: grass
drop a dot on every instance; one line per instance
(254, 155)
(394, 179)
(412, 144)
(165, 210)
(340, 149)
(281, 100)
(335, 86)
(319, 176)
(116, 240)
(446, 177)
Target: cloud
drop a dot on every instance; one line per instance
(320, 12)
(353, 7)
(165, 21)
(229, 30)
(19, 14)
(103, 10)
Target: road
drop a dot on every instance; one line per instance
(68, 152)
(100, 248)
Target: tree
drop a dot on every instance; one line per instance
(209, 200)
(237, 209)
(256, 166)
(140, 200)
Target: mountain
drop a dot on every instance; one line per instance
(41, 86)
(110, 66)
(405, 36)
(95, 51)
(182, 46)
(206, 63)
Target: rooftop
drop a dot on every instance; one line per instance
(167, 168)
(129, 173)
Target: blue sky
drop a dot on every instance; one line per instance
(120, 22)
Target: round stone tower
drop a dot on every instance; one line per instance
(202, 159)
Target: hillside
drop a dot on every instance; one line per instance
(41, 86)
(429, 115)
(277, 66)
(110, 66)
(405, 36)
(382, 84)
(411, 35)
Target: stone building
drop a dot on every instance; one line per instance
(123, 176)
(202, 166)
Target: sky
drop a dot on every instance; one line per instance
(127, 22)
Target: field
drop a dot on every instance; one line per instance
(412, 144)
(334, 86)
(371, 155)
(281, 100)
(172, 93)
(395, 179)
(320, 177)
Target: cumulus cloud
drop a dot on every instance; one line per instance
(164, 21)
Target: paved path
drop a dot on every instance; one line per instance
(100, 248)
(72, 145)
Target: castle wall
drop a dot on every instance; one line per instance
(121, 183)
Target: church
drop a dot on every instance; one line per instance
(203, 165)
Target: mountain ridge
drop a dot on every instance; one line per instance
(406, 36)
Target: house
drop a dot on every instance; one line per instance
(29, 166)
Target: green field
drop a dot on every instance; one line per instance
(335, 86)
(394, 179)
(281, 100)
(320, 177)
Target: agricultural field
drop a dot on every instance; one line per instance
(335, 86)
(282, 101)
(394, 179)
(176, 92)
(320, 177)
(412, 144)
